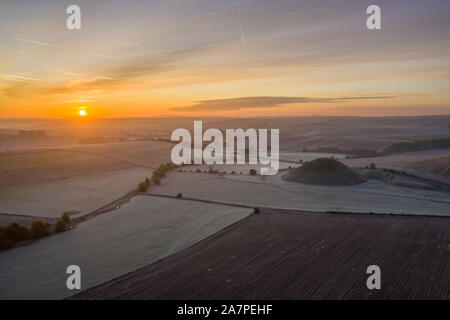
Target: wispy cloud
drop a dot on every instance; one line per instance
(112, 76)
(18, 78)
(264, 102)
(72, 74)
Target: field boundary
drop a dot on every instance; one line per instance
(264, 208)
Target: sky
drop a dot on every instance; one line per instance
(226, 58)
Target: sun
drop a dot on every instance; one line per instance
(82, 112)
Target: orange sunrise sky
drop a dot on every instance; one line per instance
(224, 58)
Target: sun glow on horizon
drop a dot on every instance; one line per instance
(228, 69)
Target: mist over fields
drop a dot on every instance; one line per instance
(350, 166)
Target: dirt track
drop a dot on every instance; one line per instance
(281, 255)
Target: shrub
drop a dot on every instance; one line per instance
(5, 243)
(161, 171)
(65, 216)
(252, 172)
(179, 195)
(142, 187)
(372, 166)
(256, 210)
(60, 225)
(147, 181)
(16, 232)
(38, 229)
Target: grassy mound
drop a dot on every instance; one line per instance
(324, 171)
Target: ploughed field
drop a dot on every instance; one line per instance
(430, 164)
(299, 255)
(436, 166)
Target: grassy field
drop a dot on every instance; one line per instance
(279, 255)
(141, 232)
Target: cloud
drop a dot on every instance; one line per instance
(263, 102)
(112, 76)
(106, 56)
(388, 110)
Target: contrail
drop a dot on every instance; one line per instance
(39, 43)
(240, 22)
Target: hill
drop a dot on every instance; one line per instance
(324, 171)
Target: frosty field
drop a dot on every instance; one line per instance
(76, 178)
(18, 168)
(141, 153)
(286, 160)
(139, 233)
(273, 192)
(82, 194)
